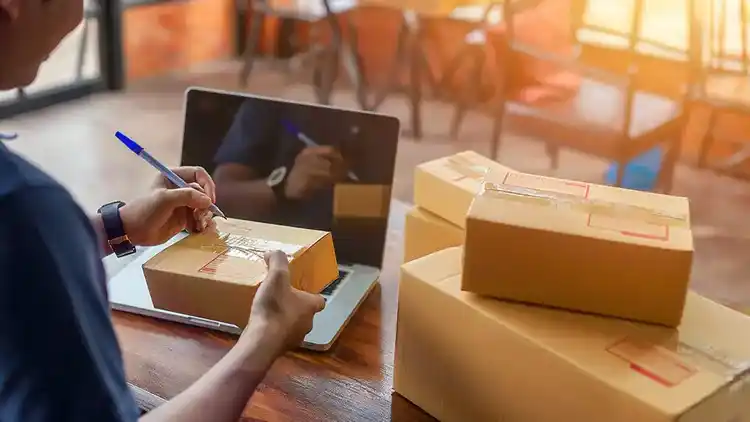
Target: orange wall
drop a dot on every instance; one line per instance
(170, 36)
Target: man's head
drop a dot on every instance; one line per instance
(29, 31)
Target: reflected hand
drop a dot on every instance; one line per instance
(314, 168)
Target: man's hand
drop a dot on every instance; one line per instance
(154, 219)
(281, 311)
(314, 168)
(281, 316)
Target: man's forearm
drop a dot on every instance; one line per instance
(247, 200)
(96, 221)
(223, 392)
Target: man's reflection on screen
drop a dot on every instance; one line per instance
(278, 164)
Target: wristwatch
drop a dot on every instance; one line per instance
(116, 237)
(277, 182)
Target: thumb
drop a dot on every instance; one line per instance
(185, 197)
(278, 266)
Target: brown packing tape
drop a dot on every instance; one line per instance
(465, 167)
(361, 201)
(583, 204)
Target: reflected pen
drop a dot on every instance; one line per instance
(169, 174)
(309, 142)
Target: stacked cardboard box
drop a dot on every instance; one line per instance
(443, 192)
(465, 357)
(579, 246)
(479, 337)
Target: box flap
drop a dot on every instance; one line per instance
(670, 370)
(466, 169)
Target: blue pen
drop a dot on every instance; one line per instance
(169, 174)
(308, 141)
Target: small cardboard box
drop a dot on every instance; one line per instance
(425, 233)
(465, 357)
(215, 274)
(579, 246)
(446, 186)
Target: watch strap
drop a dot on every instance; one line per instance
(277, 182)
(114, 229)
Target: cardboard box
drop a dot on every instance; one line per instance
(464, 357)
(580, 246)
(215, 274)
(446, 186)
(425, 233)
(361, 201)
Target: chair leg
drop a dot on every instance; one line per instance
(354, 66)
(475, 90)
(669, 165)
(497, 130)
(553, 152)
(620, 173)
(325, 75)
(415, 89)
(708, 140)
(251, 46)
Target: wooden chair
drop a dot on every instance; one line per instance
(608, 116)
(474, 54)
(325, 56)
(725, 89)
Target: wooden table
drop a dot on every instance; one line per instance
(353, 381)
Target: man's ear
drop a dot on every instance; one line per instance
(10, 8)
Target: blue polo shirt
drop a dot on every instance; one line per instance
(59, 357)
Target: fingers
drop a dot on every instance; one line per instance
(198, 175)
(197, 187)
(200, 220)
(278, 267)
(185, 197)
(317, 302)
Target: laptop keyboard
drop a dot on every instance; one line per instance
(331, 287)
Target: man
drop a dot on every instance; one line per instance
(265, 172)
(59, 357)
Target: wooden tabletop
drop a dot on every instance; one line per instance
(353, 381)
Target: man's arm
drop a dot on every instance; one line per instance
(241, 193)
(98, 224)
(243, 159)
(224, 391)
(281, 316)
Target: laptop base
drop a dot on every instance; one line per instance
(128, 292)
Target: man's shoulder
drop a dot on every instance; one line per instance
(32, 201)
(17, 174)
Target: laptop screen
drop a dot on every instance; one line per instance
(295, 164)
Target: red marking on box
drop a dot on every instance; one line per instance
(647, 231)
(653, 361)
(210, 267)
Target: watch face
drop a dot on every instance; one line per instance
(277, 176)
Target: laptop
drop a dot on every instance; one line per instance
(216, 125)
